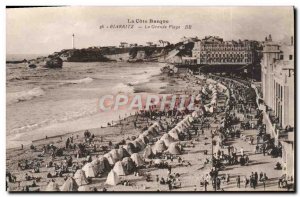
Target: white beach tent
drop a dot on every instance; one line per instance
(84, 188)
(136, 158)
(144, 138)
(110, 159)
(167, 139)
(52, 187)
(115, 155)
(119, 169)
(195, 114)
(69, 185)
(80, 177)
(89, 170)
(190, 118)
(174, 134)
(123, 152)
(112, 178)
(159, 147)
(174, 148)
(158, 161)
(140, 141)
(148, 152)
(95, 162)
(178, 129)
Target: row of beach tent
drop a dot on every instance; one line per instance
(126, 158)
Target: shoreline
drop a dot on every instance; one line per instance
(15, 140)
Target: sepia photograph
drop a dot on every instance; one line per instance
(150, 99)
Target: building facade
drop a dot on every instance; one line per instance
(214, 50)
(277, 72)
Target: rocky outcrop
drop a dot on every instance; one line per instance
(55, 62)
(46, 62)
(86, 55)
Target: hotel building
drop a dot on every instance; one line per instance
(277, 72)
(213, 50)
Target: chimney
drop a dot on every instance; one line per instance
(270, 37)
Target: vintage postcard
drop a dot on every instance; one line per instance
(150, 99)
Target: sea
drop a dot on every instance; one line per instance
(49, 102)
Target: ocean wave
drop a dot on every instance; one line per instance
(24, 95)
(122, 88)
(79, 81)
(144, 77)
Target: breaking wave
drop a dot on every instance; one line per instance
(79, 81)
(122, 88)
(24, 95)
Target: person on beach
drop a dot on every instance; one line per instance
(238, 181)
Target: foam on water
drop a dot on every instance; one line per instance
(79, 81)
(122, 88)
(16, 97)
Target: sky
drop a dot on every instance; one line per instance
(46, 30)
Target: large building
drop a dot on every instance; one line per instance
(277, 72)
(214, 50)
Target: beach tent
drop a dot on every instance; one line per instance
(89, 170)
(206, 108)
(174, 134)
(158, 161)
(159, 147)
(123, 152)
(69, 185)
(110, 159)
(178, 129)
(148, 134)
(144, 139)
(84, 188)
(140, 141)
(148, 154)
(167, 139)
(137, 146)
(128, 165)
(104, 165)
(112, 178)
(52, 187)
(195, 114)
(174, 149)
(80, 177)
(190, 118)
(115, 155)
(136, 158)
(186, 122)
(130, 148)
(96, 164)
(119, 169)
(158, 126)
(181, 124)
(154, 130)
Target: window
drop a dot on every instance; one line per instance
(291, 57)
(281, 57)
